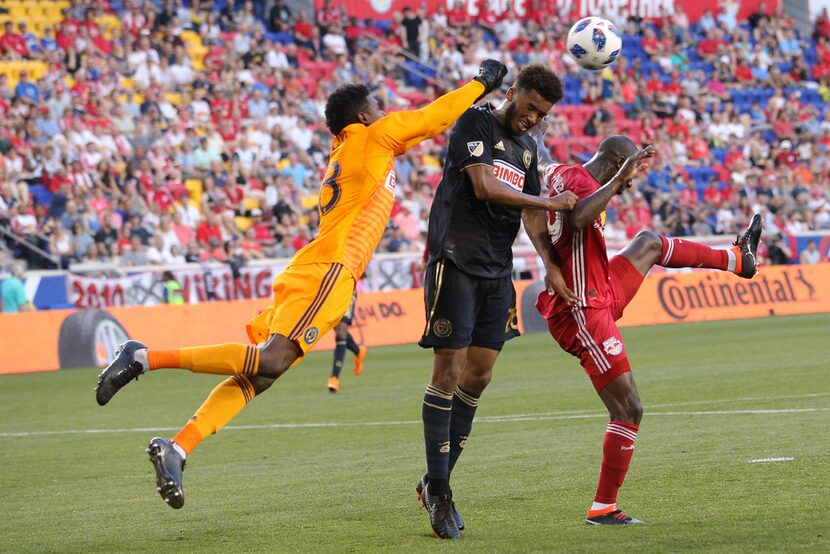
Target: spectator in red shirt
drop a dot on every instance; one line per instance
(688, 196)
(302, 238)
(214, 251)
(709, 47)
(208, 229)
(13, 44)
(712, 195)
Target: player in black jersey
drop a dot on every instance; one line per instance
(490, 184)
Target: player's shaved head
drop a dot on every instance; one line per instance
(617, 146)
(610, 156)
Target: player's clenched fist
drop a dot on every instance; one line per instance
(490, 74)
(562, 202)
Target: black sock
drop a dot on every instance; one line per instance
(339, 354)
(439, 487)
(351, 344)
(436, 413)
(464, 406)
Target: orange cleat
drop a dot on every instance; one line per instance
(334, 384)
(358, 360)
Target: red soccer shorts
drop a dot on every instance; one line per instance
(591, 334)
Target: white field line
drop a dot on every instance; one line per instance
(483, 419)
(678, 404)
(770, 460)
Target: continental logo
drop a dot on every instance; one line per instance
(719, 290)
(509, 174)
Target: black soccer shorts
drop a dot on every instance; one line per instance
(464, 310)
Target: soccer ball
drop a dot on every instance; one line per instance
(594, 43)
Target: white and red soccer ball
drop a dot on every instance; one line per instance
(594, 43)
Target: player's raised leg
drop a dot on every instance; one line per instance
(300, 316)
(623, 403)
(649, 248)
(221, 406)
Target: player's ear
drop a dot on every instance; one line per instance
(511, 94)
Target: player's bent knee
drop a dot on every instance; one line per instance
(634, 412)
(446, 368)
(650, 242)
(261, 383)
(476, 381)
(276, 356)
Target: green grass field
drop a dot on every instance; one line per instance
(75, 477)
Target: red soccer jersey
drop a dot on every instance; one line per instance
(581, 251)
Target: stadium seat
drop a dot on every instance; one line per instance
(194, 189)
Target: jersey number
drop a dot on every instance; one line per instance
(554, 227)
(335, 190)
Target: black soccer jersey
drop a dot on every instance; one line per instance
(476, 235)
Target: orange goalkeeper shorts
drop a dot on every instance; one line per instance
(309, 301)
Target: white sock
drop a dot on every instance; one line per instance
(600, 506)
(179, 450)
(141, 357)
(732, 260)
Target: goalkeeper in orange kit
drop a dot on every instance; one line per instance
(314, 291)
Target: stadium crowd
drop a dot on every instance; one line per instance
(143, 132)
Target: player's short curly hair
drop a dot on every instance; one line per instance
(541, 79)
(343, 106)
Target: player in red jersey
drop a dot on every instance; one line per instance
(587, 294)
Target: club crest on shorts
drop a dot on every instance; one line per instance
(442, 328)
(476, 148)
(311, 335)
(613, 346)
(527, 158)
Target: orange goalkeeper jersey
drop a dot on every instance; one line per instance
(358, 192)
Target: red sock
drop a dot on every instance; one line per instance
(616, 455)
(684, 253)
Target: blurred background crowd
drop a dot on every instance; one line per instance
(160, 132)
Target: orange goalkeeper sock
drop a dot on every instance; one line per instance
(224, 402)
(220, 359)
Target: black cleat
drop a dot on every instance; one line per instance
(123, 369)
(169, 466)
(748, 247)
(439, 510)
(613, 518)
(419, 492)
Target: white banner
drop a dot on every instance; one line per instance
(198, 285)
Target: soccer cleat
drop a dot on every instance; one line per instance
(123, 369)
(334, 384)
(419, 491)
(358, 360)
(746, 247)
(169, 466)
(439, 510)
(615, 517)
